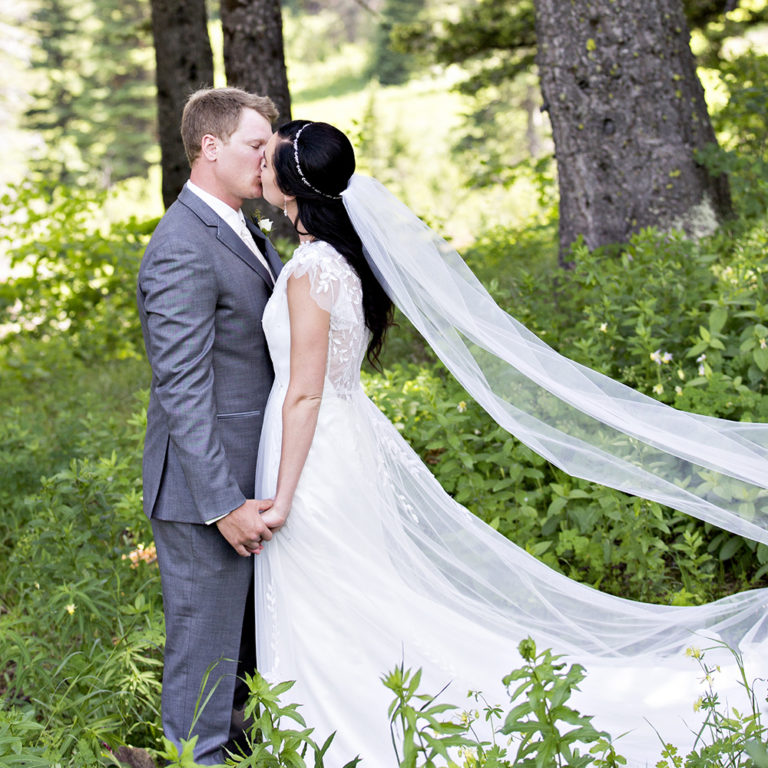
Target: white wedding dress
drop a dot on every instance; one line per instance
(377, 564)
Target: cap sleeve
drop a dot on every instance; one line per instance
(334, 284)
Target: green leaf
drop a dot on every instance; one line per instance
(758, 752)
(730, 548)
(717, 319)
(760, 356)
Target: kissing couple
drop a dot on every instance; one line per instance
(295, 526)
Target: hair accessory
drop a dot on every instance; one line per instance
(301, 173)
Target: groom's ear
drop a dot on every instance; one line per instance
(209, 147)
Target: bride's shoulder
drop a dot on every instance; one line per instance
(333, 283)
(317, 256)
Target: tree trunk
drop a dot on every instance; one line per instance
(254, 60)
(627, 112)
(184, 64)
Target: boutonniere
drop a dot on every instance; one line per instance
(265, 225)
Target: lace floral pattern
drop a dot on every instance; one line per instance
(336, 288)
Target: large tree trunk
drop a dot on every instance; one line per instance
(184, 64)
(627, 112)
(254, 60)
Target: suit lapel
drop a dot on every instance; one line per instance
(228, 237)
(266, 247)
(234, 242)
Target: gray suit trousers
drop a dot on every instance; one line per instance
(200, 567)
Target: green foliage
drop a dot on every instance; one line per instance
(541, 729)
(390, 64)
(271, 739)
(727, 737)
(742, 125)
(495, 45)
(73, 274)
(538, 728)
(418, 722)
(544, 687)
(95, 107)
(669, 317)
(268, 741)
(495, 41)
(18, 728)
(715, 24)
(80, 613)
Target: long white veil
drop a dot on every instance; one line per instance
(582, 421)
(594, 428)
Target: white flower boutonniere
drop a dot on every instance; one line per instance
(265, 225)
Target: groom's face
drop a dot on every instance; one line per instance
(238, 159)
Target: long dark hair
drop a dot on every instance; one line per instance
(327, 163)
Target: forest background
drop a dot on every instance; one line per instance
(443, 102)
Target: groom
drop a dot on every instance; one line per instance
(204, 280)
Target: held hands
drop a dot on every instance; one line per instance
(276, 515)
(245, 528)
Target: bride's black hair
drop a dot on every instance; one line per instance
(327, 162)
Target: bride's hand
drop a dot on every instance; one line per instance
(274, 517)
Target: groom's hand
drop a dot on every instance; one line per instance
(244, 528)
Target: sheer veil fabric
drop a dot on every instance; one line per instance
(377, 563)
(582, 421)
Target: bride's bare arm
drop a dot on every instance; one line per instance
(309, 352)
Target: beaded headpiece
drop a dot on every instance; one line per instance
(301, 173)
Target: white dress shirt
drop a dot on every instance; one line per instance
(235, 219)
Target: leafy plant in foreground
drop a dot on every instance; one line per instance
(272, 740)
(728, 737)
(542, 730)
(548, 729)
(418, 721)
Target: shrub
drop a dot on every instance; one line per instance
(73, 274)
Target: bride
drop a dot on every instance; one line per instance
(373, 563)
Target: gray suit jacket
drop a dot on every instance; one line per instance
(201, 294)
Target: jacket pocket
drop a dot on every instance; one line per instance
(238, 415)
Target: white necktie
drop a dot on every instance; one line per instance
(247, 238)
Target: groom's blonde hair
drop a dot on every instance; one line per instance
(217, 111)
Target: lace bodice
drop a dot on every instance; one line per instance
(336, 288)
